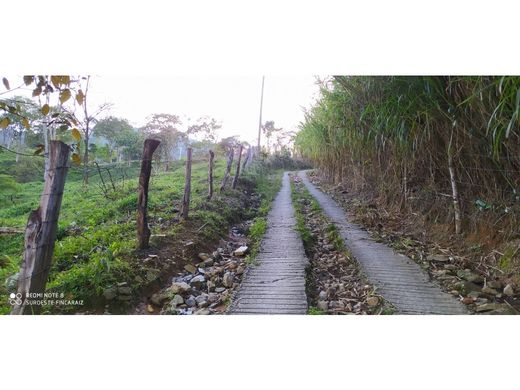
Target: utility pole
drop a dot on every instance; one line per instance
(260, 121)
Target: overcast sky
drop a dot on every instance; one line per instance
(235, 101)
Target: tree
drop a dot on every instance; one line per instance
(269, 131)
(206, 127)
(130, 144)
(228, 144)
(86, 118)
(120, 136)
(284, 141)
(16, 133)
(165, 127)
(52, 93)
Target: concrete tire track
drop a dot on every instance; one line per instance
(398, 278)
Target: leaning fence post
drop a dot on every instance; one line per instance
(210, 174)
(228, 168)
(235, 179)
(187, 186)
(143, 231)
(246, 160)
(40, 232)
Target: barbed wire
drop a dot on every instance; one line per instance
(20, 153)
(120, 168)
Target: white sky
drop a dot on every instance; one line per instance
(232, 100)
(235, 101)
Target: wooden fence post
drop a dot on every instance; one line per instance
(143, 231)
(246, 160)
(231, 154)
(187, 186)
(40, 232)
(210, 174)
(237, 174)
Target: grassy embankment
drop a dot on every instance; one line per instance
(96, 240)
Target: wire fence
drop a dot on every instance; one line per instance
(119, 173)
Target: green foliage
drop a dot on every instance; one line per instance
(87, 281)
(206, 127)
(300, 196)
(96, 238)
(60, 88)
(391, 134)
(27, 169)
(482, 205)
(121, 136)
(165, 127)
(334, 237)
(8, 185)
(508, 261)
(315, 206)
(256, 233)
(258, 228)
(267, 186)
(388, 310)
(314, 311)
(283, 160)
(305, 233)
(267, 181)
(363, 116)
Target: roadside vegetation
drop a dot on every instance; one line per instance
(96, 238)
(95, 261)
(268, 184)
(427, 160)
(96, 241)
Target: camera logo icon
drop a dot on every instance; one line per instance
(15, 299)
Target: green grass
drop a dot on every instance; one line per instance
(314, 311)
(335, 238)
(297, 197)
(258, 228)
(388, 310)
(267, 186)
(96, 239)
(256, 232)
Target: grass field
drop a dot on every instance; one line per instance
(96, 238)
